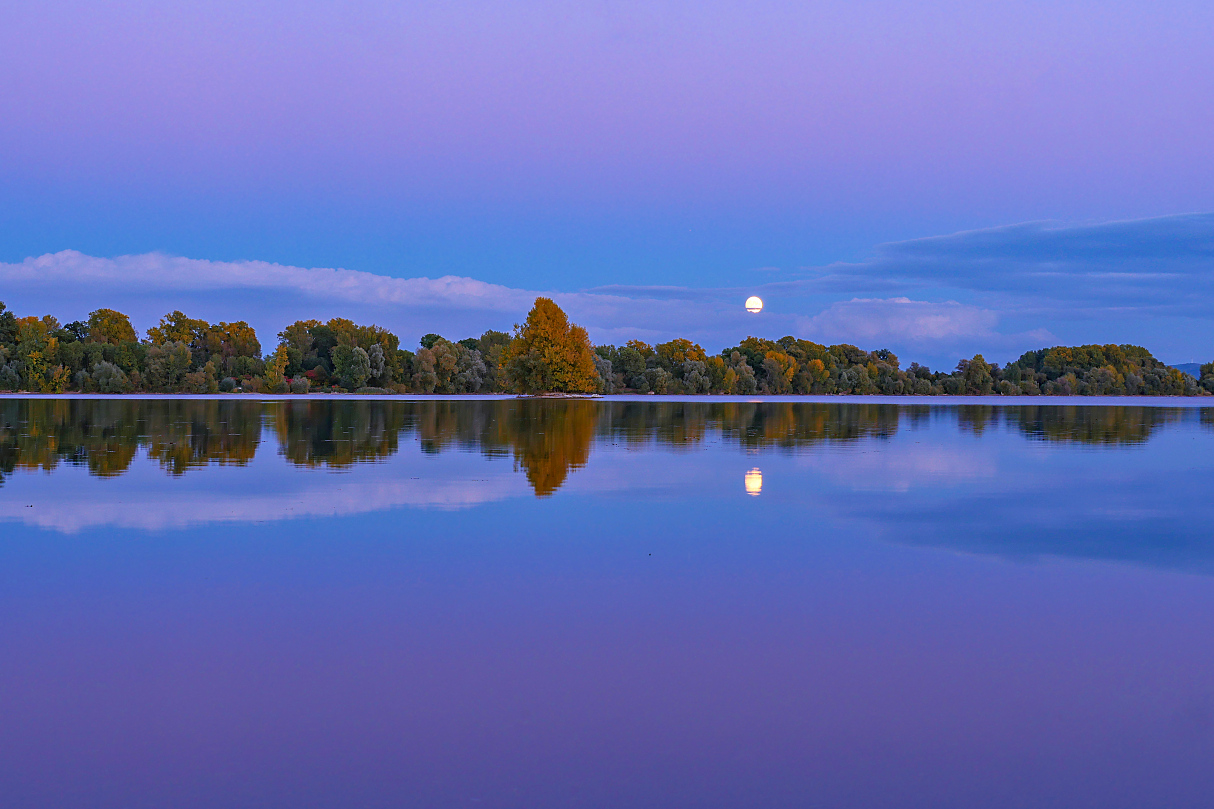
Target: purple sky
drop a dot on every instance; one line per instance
(564, 147)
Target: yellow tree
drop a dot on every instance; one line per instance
(276, 366)
(109, 326)
(176, 327)
(548, 353)
(679, 351)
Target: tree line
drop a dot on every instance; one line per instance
(546, 353)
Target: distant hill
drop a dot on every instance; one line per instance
(1190, 368)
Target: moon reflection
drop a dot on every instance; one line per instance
(754, 482)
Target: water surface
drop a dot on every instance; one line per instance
(522, 603)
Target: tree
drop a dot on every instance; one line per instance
(276, 366)
(8, 326)
(376, 356)
(110, 326)
(425, 379)
(351, 366)
(167, 365)
(493, 345)
(10, 379)
(550, 354)
(606, 375)
(672, 355)
(976, 375)
(109, 378)
(695, 377)
(740, 377)
(175, 327)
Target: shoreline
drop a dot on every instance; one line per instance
(994, 400)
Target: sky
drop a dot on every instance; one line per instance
(941, 178)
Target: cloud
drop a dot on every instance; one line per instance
(878, 320)
(269, 296)
(1011, 288)
(162, 507)
(162, 273)
(1144, 267)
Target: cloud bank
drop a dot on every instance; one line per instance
(1001, 290)
(1133, 268)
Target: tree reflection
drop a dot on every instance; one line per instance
(186, 434)
(336, 434)
(548, 439)
(1120, 424)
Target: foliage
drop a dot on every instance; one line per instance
(351, 366)
(546, 353)
(276, 366)
(109, 378)
(110, 326)
(550, 354)
(1098, 370)
(1207, 377)
(311, 347)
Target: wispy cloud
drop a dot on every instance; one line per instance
(157, 272)
(1138, 267)
(878, 319)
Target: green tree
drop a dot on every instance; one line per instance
(1207, 377)
(976, 375)
(167, 365)
(8, 327)
(351, 366)
(493, 345)
(550, 354)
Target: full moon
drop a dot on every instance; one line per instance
(754, 304)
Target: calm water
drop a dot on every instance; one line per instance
(602, 604)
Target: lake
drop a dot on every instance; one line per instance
(626, 602)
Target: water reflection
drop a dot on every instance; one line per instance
(754, 482)
(105, 435)
(547, 439)
(1080, 424)
(522, 603)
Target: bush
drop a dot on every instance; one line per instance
(372, 390)
(9, 378)
(299, 384)
(244, 366)
(109, 378)
(227, 385)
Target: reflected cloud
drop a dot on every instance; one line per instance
(904, 467)
(150, 504)
(978, 479)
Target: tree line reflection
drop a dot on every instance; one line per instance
(547, 439)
